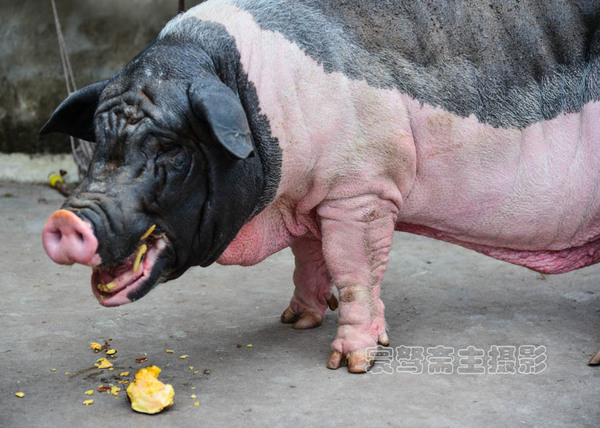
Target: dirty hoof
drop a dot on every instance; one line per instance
(336, 360)
(384, 340)
(307, 318)
(302, 320)
(288, 316)
(332, 302)
(595, 360)
(357, 361)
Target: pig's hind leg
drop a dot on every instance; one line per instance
(357, 236)
(313, 292)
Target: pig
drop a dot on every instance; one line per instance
(249, 126)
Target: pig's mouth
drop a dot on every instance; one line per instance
(133, 277)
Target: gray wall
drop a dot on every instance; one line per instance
(101, 36)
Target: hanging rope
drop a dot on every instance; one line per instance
(82, 150)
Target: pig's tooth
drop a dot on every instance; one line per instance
(138, 257)
(148, 232)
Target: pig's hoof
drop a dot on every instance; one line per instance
(332, 302)
(595, 360)
(308, 318)
(301, 320)
(357, 361)
(384, 340)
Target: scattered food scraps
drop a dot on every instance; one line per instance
(90, 392)
(141, 360)
(20, 394)
(96, 346)
(147, 393)
(124, 374)
(111, 352)
(183, 357)
(169, 351)
(88, 402)
(103, 363)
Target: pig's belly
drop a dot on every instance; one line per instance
(530, 196)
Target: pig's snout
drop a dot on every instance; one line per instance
(68, 239)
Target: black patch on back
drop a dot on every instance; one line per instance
(509, 62)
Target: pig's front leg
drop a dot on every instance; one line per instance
(313, 292)
(357, 236)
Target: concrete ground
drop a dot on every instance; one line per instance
(486, 315)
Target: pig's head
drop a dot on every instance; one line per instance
(172, 152)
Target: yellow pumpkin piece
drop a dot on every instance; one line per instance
(20, 394)
(96, 346)
(103, 364)
(147, 393)
(88, 402)
(148, 232)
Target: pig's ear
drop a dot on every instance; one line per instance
(221, 108)
(75, 115)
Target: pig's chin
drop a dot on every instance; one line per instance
(133, 277)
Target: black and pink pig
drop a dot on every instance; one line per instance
(249, 126)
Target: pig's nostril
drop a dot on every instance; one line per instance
(56, 235)
(80, 236)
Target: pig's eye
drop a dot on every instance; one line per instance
(172, 155)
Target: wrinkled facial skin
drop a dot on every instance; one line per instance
(141, 175)
(139, 178)
(170, 152)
